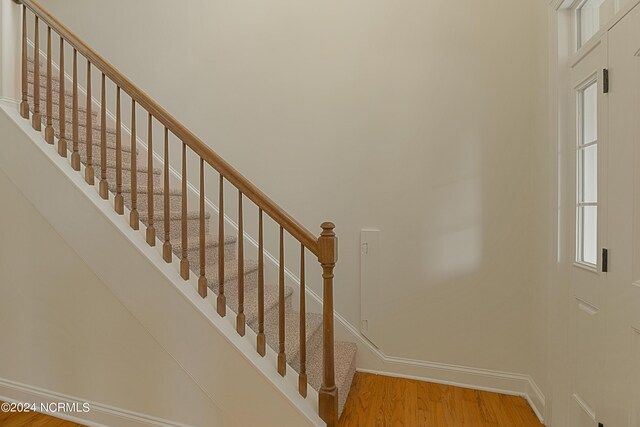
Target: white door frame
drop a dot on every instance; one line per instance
(562, 54)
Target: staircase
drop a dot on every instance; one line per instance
(141, 185)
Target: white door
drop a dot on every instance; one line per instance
(587, 151)
(622, 330)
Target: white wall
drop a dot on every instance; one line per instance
(423, 119)
(64, 331)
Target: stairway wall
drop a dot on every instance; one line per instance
(74, 324)
(64, 331)
(425, 120)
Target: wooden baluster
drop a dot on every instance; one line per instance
(328, 394)
(36, 119)
(75, 154)
(119, 200)
(240, 319)
(104, 185)
(167, 253)
(202, 281)
(134, 216)
(151, 230)
(184, 262)
(261, 342)
(88, 171)
(302, 378)
(62, 104)
(222, 300)
(49, 133)
(24, 105)
(282, 357)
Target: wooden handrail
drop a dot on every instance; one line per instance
(241, 183)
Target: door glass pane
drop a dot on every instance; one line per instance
(587, 176)
(588, 227)
(588, 20)
(589, 173)
(590, 114)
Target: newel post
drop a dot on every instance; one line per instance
(328, 256)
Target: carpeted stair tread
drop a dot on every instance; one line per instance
(68, 111)
(175, 202)
(271, 296)
(193, 234)
(142, 188)
(345, 354)
(175, 215)
(111, 156)
(55, 114)
(292, 334)
(230, 275)
(55, 87)
(193, 242)
(82, 139)
(55, 110)
(175, 205)
(126, 167)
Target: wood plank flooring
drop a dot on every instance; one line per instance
(32, 419)
(380, 401)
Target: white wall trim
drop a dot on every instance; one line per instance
(100, 415)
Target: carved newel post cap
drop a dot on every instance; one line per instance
(327, 229)
(328, 244)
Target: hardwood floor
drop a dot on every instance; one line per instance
(380, 401)
(32, 419)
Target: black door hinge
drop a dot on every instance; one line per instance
(600, 425)
(605, 260)
(605, 80)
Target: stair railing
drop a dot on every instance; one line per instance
(323, 247)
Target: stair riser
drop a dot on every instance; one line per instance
(55, 92)
(82, 129)
(175, 228)
(82, 135)
(111, 157)
(68, 111)
(211, 257)
(55, 86)
(231, 285)
(55, 99)
(158, 200)
(271, 320)
(314, 343)
(126, 179)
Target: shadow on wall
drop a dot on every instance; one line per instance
(452, 239)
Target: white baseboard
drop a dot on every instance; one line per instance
(99, 415)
